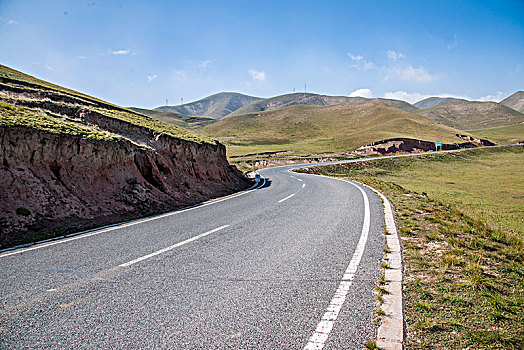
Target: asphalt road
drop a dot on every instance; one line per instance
(289, 265)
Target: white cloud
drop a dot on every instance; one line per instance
(361, 93)
(81, 57)
(393, 55)
(415, 96)
(257, 75)
(180, 75)
(454, 43)
(121, 52)
(355, 57)
(497, 97)
(12, 21)
(410, 73)
(150, 78)
(405, 96)
(43, 65)
(205, 63)
(358, 62)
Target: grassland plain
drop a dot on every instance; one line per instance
(315, 129)
(460, 218)
(502, 134)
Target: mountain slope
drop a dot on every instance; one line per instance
(327, 128)
(473, 115)
(515, 101)
(216, 106)
(177, 119)
(71, 162)
(435, 101)
(310, 99)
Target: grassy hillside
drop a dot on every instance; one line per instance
(216, 106)
(515, 101)
(473, 115)
(11, 76)
(33, 103)
(461, 223)
(310, 129)
(177, 119)
(435, 101)
(309, 99)
(502, 134)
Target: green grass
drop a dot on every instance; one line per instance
(153, 124)
(502, 134)
(45, 120)
(181, 120)
(13, 116)
(464, 270)
(316, 129)
(467, 115)
(38, 84)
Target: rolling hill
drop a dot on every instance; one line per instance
(515, 101)
(177, 119)
(216, 106)
(435, 101)
(473, 115)
(310, 99)
(333, 128)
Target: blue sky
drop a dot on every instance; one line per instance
(140, 53)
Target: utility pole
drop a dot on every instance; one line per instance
(166, 101)
(305, 90)
(293, 89)
(181, 100)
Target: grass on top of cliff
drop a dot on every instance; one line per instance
(14, 116)
(460, 219)
(153, 124)
(26, 79)
(55, 96)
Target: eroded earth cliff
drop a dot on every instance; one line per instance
(71, 162)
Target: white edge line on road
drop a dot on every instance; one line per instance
(285, 199)
(390, 333)
(324, 327)
(113, 227)
(129, 263)
(299, 180)
(303, 185)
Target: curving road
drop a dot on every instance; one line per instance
(291, 264)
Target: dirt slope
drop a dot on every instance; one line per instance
(70, 162)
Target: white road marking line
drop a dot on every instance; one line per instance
(299, 180)
(134, 222)
(324, 327)
(129, 263)
(303, 185)
(285, 199)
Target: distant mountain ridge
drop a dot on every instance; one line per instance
(515, 101)
(216, 106)
(175, 118)
(435, 101)
(470, 115)
(310, 99)
(336, 127)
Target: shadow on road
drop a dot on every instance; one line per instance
(266, 184)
